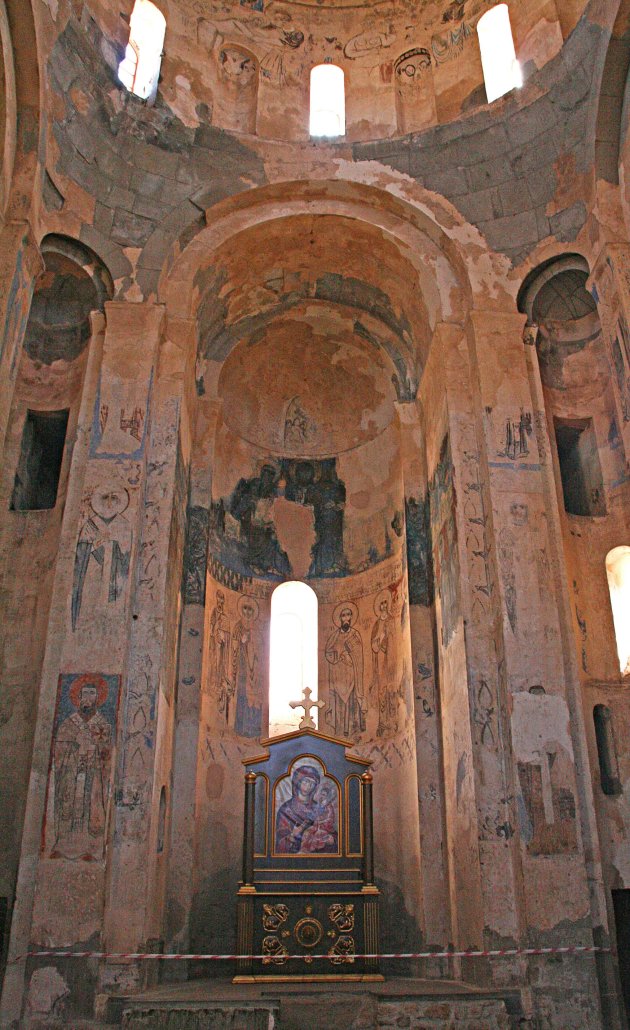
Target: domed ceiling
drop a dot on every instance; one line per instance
(408, 64)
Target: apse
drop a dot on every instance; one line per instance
(307, 350)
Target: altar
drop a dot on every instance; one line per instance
(307, 904)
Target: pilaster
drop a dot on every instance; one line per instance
(20, 264)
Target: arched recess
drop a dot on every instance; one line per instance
(584, 424)
(314, 307)
(40, 442)
(422, 225)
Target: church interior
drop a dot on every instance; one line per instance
(315, 384)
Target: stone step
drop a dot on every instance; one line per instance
(325, 1012)
(212, 1016)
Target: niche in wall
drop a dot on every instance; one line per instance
(39, 467)
(606, 751)
(580, 469)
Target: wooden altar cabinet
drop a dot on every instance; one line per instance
(308, 864)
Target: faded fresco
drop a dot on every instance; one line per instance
(103, 552)
(120, 417)
(383, 640)
(364, 676)
(245, 673)
(419, 551)
(347, 703)
(195, 555)
(243, 532)
(306, 806)
(546, 802)
(444, 536)
(237, 674)
(18, 307)
(81, 763)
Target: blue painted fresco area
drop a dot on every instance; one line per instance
(419, 556)
(444, 535)
(96, 436)
(68, 700)
(255, 549)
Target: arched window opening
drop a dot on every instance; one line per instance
(618, 572)
(293, 654)
(140, 68)
(606, 751)
(328, 101)
(501, 70)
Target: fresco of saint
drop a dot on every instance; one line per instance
(81, 769)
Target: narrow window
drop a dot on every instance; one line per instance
(606, 751)
(161, 821)
(501, 70)
(293, 654)
(328, 101)
(140, 68)
(618, 572)
(580, 470)
(37, 475)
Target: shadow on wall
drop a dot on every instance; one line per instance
(213, 923)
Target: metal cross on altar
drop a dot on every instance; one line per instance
(307, 719)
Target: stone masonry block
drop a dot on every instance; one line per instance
(482, 206)
(489, 173)
(566, 224)
(531, 121)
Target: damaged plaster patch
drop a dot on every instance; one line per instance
(53, 7)
(537, 722)
(46, 993)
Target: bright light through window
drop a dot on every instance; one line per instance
(328, 102)
(140, 69)
(618, 571)
(501, 70)
(293, 654)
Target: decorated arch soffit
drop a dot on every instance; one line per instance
(397, 264)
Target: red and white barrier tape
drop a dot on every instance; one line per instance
(488, 953)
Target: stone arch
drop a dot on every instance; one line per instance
(612, 108)
(542, 275)
(74, 283)
(8, 106)
(433, 259)
(20, 177)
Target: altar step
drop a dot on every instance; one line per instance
(412, 1005)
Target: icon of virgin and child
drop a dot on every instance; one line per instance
(307, 823)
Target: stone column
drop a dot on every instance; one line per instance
(427, 707)
(107, 683)
(609, 987)
(58, 626)
(190, 746)
(544, 825)
(20, 264)
(478, 784)
(136, 875)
